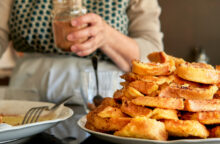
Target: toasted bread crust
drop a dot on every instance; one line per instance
(215, 132)
(203, 117)
(128, 92)
(118, 94)
(198, 72)
(159, 114)
(134, 110)
(109, 102)
(92, 127)
(202, 105)
(144, 128)
(154, 69)
(129, 77)
(169, 103)
(144, 87)
(186, 128)
(111, 112)
(188, 92)
(217, 95)
(218, 67)
(1, 119)
(132, 93)
(105, 124)
(162, 57)
(158, 57)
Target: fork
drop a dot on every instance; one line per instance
(97, 99)
(34, 113)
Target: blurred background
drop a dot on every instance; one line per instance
(188, 25)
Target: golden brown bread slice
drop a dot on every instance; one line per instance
(134, 110)
(141, 127)
(188, 91)
(159, 114)
(203, 117)
(144, 87)
(92, 127)
(202, 105)
(162, 57)
(155, 69)
(129, 77)
(215, 132)
(124, 84)
(158, 57)
(169, 103)
(111, 112)
(110, 102)
(198, 72)
(1, 119)
(218, 67)
(186, 128)
(107, 124)
(157, 79)
(95, 122)
(128, 92)
(217, 95)
(119, 94)
(131, 93)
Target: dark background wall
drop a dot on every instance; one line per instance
(187, 24)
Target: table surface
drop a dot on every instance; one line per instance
(49, 139)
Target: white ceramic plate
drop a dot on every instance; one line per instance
(124, 140)
(22, 131)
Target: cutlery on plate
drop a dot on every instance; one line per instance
(33, 114)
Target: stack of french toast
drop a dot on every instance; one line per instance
(164, 99)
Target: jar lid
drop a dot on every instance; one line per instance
(62, 4)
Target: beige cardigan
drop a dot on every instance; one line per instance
(144, 25)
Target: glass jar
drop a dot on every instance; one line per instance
(63, 12)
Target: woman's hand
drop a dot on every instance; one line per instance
(120, 48)
(96, 32)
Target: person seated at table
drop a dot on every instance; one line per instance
(119, 31)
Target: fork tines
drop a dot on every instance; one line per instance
(33, 114)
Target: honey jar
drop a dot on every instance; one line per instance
(64, 11)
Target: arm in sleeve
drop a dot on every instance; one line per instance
(144, 26)
(5, 8)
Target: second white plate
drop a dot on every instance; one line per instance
(123, 140)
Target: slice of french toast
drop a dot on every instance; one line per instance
(158, 102)
(186, 128)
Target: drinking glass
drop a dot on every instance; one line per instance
(109, 82)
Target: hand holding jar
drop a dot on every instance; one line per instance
(96, 32)
(64, 12)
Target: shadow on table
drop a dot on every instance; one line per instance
(94, 140)
(44, 138)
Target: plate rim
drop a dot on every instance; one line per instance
(83, 119)
(70, 113)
